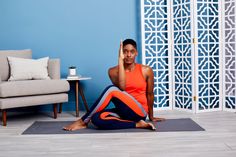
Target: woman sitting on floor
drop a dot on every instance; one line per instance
(131, 93)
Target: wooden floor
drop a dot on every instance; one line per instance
(219, 139)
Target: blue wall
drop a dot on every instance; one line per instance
(84, 33)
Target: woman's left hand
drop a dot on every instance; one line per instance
(156, 119)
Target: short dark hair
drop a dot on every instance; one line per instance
(130, 41)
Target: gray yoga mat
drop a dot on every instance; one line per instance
(55, 127)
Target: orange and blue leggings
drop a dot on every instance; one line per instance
(126, 113)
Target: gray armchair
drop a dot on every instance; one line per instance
(15, 94)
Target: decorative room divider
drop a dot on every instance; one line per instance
(190, 44)
(229, 55)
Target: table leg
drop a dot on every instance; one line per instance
(83, 98)
(60, 108)
(4, 117)
(77, 97)
(55, 110)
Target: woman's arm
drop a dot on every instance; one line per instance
(121, 69)
(117, 74)
(150, 94)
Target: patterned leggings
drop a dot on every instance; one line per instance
(126, 113)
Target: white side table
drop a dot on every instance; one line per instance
(78, 90)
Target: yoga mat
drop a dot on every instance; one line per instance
(55, 127)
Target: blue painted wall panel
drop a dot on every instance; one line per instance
(82, 33)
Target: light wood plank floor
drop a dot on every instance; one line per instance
(219, 139)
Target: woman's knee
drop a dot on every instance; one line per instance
(111, 88)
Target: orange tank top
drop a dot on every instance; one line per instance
(136, 85)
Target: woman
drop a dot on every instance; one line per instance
(131, 94)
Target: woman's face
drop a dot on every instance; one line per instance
(130, 53)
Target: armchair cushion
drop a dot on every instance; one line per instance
(4, 66)
(28, 69)
(14, 102)
(32, 87)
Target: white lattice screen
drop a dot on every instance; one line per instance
(229, 55)
(156, 49)
(190, 44)
(182, 54)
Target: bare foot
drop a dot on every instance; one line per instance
(79, 124)
(143, 124)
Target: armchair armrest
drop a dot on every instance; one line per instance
(54, 71)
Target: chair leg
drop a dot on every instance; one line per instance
(60, 108)
(55, 110)
(4, 117)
